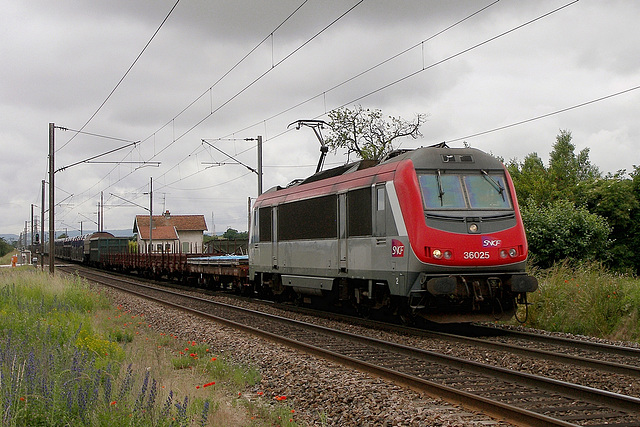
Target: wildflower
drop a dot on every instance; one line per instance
(113, 403)
(260, 393)
(209, 384)
(213, 359)
(197, 387)
(22, 399)
(205, 412)
(293, 411)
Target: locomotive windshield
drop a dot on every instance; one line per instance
(464, 190)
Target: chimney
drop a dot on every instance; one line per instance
(167, 214)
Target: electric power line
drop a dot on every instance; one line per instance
(123, 77)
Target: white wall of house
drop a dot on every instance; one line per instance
(169, 246)
(190, 241)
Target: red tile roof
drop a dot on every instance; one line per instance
(166, 232)
(180, 222)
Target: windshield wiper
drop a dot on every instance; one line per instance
(440, 190)
(495, 184)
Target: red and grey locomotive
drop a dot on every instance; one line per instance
(434, 232)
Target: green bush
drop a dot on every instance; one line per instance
(561, 230)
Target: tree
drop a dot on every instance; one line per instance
(233, 234)
(615, 198)
(567, 176)
(5, 247)
(366, 133)
(530, 178)
(568, 170)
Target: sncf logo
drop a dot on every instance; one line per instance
(397, 248)
(490, 242)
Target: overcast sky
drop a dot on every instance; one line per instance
(226, 71)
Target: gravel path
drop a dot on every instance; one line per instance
(320, 392)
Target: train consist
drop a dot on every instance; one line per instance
(434, 232)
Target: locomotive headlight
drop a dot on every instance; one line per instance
(503, 253)
(447, 255)
(437, 253)
(473, 228)
(513, 252)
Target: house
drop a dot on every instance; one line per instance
(170, 233)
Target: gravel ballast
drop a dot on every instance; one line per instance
(320, 392)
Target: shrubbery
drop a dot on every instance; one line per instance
(560, 230)
(586, 299)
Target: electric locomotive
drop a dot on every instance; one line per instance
(434, 232)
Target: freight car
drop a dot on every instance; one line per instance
(434, 232)
(78, 248)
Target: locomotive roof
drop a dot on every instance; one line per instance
(448, 158)
(423, 158)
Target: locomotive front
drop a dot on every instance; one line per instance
(464, 227)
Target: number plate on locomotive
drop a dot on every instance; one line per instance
(476, 255)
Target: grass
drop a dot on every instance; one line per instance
(586, 299)
(67, 357)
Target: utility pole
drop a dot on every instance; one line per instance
(101, 212)
(150, 214)
(52, 202)
(42, 229)
(259, 164)
(257, 172)
(32, 225)
(249, 215)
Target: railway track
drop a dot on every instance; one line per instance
(516, 396)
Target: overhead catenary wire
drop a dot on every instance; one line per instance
(333, 88)
(483, 132)
(281, 61)
(217, 82)
(542, 116)
(422, 69)
(414, 73)
(123, 77)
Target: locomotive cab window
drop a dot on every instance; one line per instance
(467, 190)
